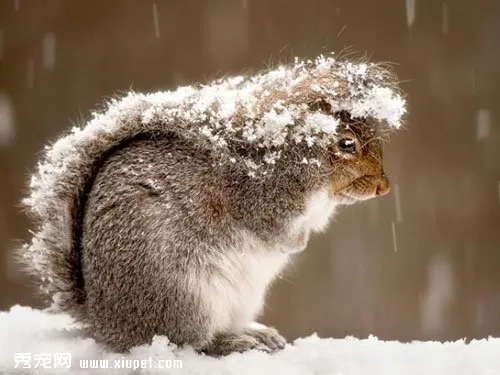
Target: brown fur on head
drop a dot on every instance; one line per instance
(356, 161)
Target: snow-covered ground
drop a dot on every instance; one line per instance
(34, 338)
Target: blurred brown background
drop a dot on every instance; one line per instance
(421, 263)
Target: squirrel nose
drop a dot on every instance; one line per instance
(383, 186)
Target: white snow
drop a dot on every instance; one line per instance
(321, 122)
(381, 104)
(36, 338)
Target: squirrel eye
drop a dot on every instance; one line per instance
(347, 145)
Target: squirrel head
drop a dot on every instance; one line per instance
(318, 117)
(355, 162)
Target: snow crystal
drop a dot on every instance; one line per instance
(381, 104)
(29, 335)
(251, 164)
(320, 122)
(271, 157)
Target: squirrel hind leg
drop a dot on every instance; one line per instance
(266, 339)
(225, 344)
(268, 336)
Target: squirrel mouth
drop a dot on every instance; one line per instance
(349, 195)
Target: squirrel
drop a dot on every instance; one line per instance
(171, 213)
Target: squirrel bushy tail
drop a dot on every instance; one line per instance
(56, 203)
(266, 112)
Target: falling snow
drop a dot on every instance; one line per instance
(439, 294)
(394, 239)
(341, 30)
(397, 198)
(498, 192)
(483, 123)
(410, 12)
(474, 88)
(156, 20)
(7, 121)
(446, 19)
(49, 50)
